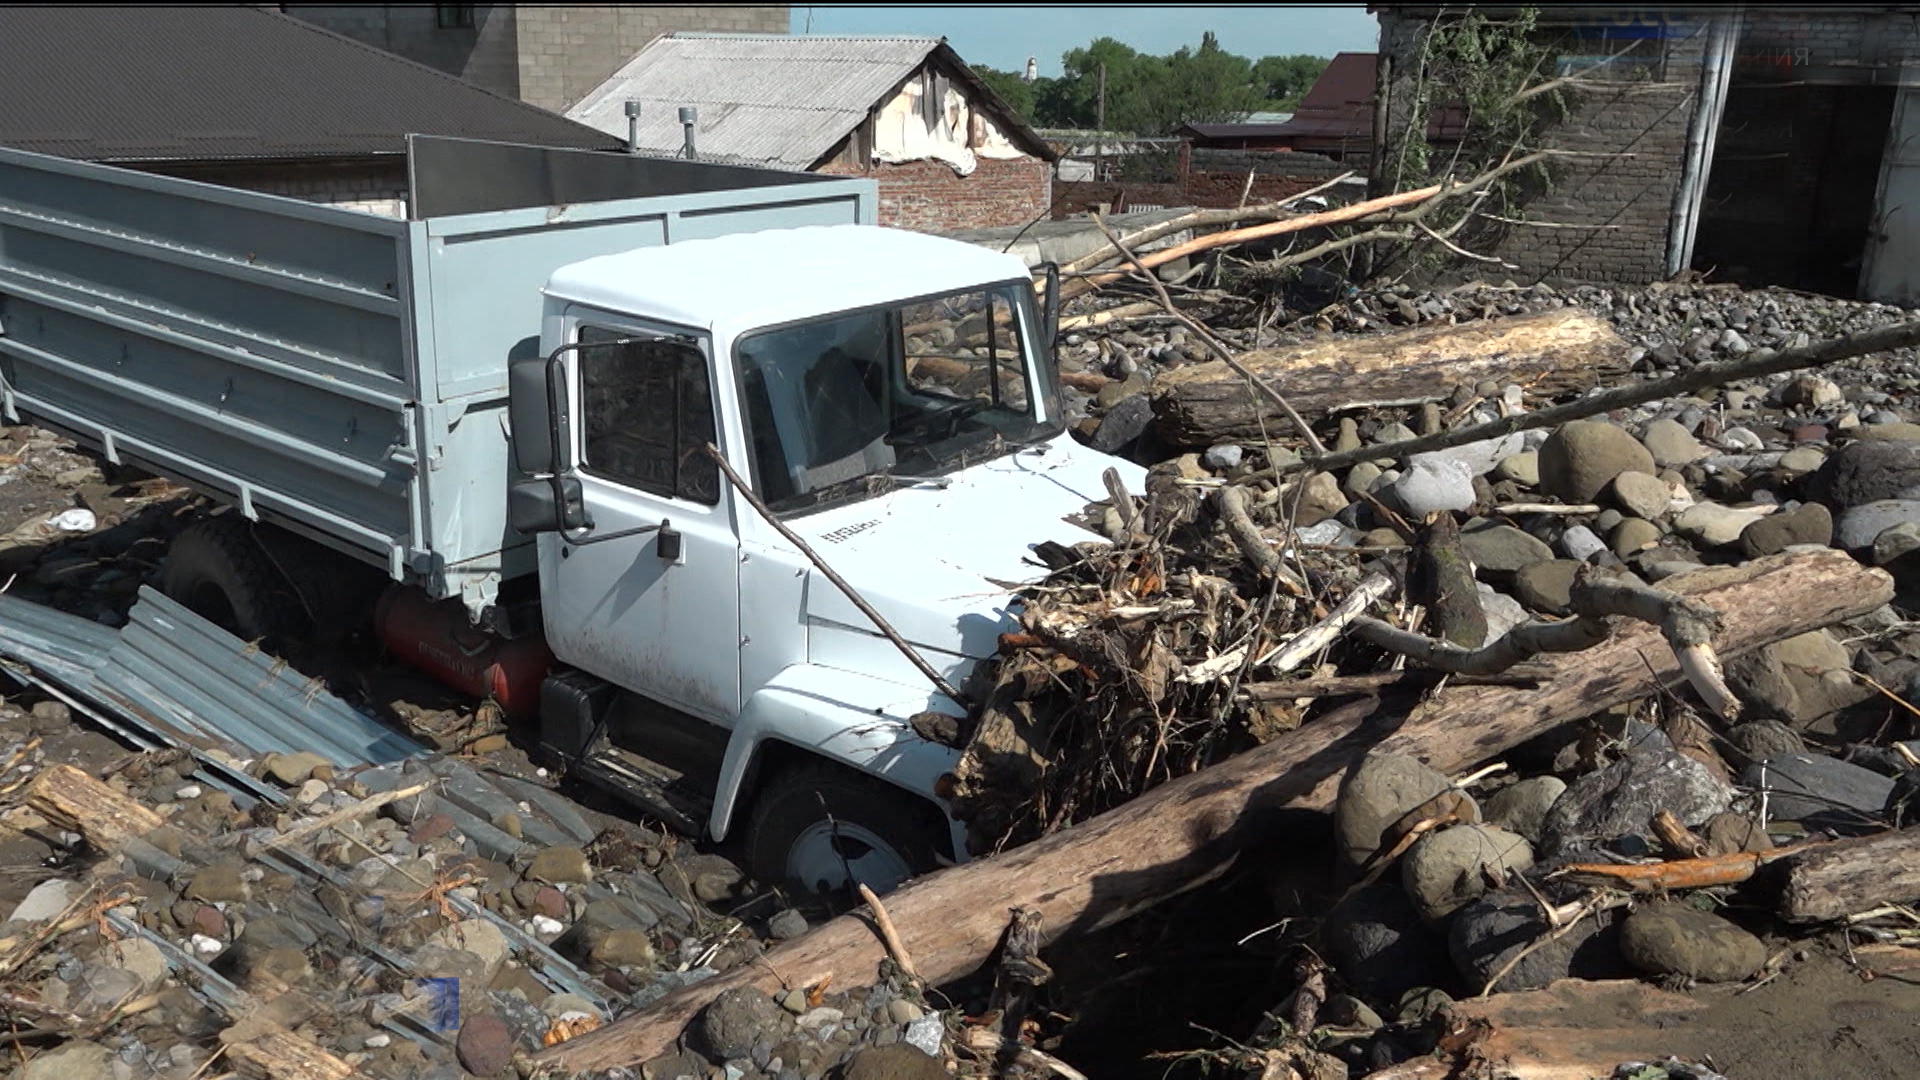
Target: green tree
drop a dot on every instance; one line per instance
(1018, 93)
(1152, 95)
(1286, 79)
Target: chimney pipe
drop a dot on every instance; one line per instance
(689, 116)
(633, 126)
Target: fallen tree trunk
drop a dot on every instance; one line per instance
(1851, 876)
(1186, 832)
(1555, 351)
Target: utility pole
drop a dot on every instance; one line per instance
(1100, 129)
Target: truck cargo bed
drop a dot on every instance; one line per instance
(337, 372)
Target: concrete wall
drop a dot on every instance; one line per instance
(372, 186)
(547, 56)
(1611, 207)
(929, 196)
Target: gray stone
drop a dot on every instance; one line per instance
(1710, 524)
(1363, 477)
(479, 937)
(1501, 611)
(1123, 423)
(1579, 543)
(1380, 946)
(1633, 535)
(1547, 586)
(1859, 526)
(1671, 445)
(1758, 740)
(926, 1035)
(1673, 939)
(1812, 392)
(1224, 456)
(294, 769)
(47, 900)
(1374, 794)
(1522, 808)
(1640, 494)
(220, 883)
(1578, 460)
(1488, 933)
(1739, 438)
(140, 957)
(1432, 484)
(1896, 542)
(564, 865)
(897, 1062)
(1449, 868)
(787, 924)
(71, 1061)
(1502, 548)
(902, 1011)
(1819, 791)
(1898, 431)
(1621, 799)
(1522, 468)
(1479, 458)
(740, 1017)
(1348, 437)
(1864, 471)
(1810, 523)
(1347, 1011)
(1801, 461)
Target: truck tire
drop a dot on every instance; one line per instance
(219, 571)
(815, 823)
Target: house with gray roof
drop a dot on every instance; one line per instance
(907, 112)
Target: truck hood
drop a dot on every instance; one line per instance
(941, 559)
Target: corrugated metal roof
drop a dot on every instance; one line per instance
(219, 83)
(764, 99)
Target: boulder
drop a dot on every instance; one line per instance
(1374, 794)
(1522, 468)
(1819, 791)
(1633, 535)
(1320, 500)
(1860, 525)
(1671, 444)
(1621, 799)
(1673, 939)
(1581, 458)
(1432, 484)
(1640, 494)
(739, 1018)
(1380, 945)
(896, 1062)
(1486, 935)
(1124, 423)
(1502, 549)
(1547, 586)
(1448, 869)
(1758, 740)
(1710, 524)
(1811, 523)
(1865, 471)
(1522, 808)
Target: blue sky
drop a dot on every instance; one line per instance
(1004, 36)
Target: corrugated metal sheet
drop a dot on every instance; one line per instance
(191, 684)
(168, 83)
(763, 99)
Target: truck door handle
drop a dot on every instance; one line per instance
(667, 543)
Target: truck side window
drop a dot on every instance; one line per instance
(646, 414)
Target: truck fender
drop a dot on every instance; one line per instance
(814, 710)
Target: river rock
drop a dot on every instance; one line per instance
(1811, 523)
(1447, 869)
(1487, 933)
(1620, 799)
(219, 883)
(1812, 392)
(1860, 525)
(479, 937)
(484, 1044)
(1380, 946)
(47, 900)
(1580, 543)
(1547, 586)
(1374, 794)
(1898, 430)
(1896, 542)
(1581, 458)
(1800, 461)
(740, 1017)
(1502, 549)
(1479, 458)
(1865, 471)
(1671, 445)
(140, 957)
(1710, 524)
(1633, 535)
(1640, 494)
(1673, 939)
(1320, 499)
(294, 769)
(1819, 791)
(1758, 740)
(896, 1062)
(1522, 468)
(1432, 484)
(71, 1061)
(1522, 808)
(560, 866)
(1123, 423)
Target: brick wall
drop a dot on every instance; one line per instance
(565, 52)
(1612, 206)
(1207, 178)
(928, 196)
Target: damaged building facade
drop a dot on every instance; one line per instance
(1755, 145)
(906, 112)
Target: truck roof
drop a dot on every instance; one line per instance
(747, 280)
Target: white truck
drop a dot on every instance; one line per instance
(504, 404)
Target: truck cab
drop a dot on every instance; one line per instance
(891, 398)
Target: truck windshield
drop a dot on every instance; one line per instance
(836, 405)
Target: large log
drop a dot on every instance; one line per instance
(1850, 876)
(1552, 351)
(1187, 832)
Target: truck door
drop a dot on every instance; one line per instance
(647, 597)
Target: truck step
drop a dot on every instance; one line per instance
(651, 786)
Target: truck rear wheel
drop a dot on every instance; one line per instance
(821, 828)
(219, 571)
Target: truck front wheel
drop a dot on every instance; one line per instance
(822, 828)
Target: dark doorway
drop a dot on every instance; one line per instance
(1791, 195)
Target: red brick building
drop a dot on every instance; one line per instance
(906, 111)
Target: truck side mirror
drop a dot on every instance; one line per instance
(548, 504)
(1050, 313)
(530, 414)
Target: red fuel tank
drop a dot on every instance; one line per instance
(436, 637)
